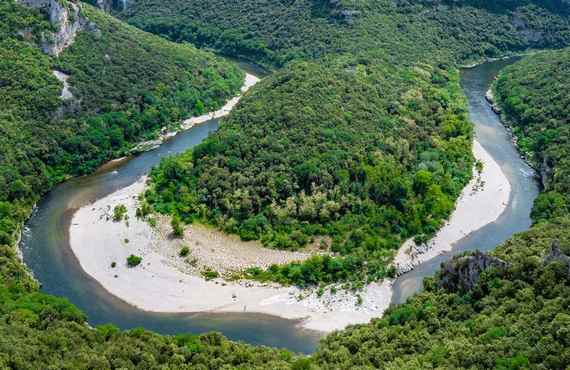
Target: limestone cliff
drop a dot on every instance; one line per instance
(462, 273)
(65, 17)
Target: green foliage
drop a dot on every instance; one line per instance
(184, 251)
(513, 321)
(133, 261)
(535, 101)
(367, 160)
(119, 212)
(354, 114)
(275, 32)
(209, 274)
(355, 137)
(127, 85)
(177, 226)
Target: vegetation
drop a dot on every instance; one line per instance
(184, 251)
(127, 86)
(370, 163)
(119, 212)
(209, 274)
(276, 32)
(177, 227)
(535, 97)
(133, 261)
(360, 136)
(514, 319)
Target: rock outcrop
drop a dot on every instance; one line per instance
(109, 5)
(65, 17)
(461, 274)
(555, 254)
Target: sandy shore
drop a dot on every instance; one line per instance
(481, 202)
(166, 282)
(250, 80)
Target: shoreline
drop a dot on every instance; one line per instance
(145, 146)
(161, 283)
(481, 202)
(164, 282)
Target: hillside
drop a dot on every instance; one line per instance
(517, 314)
(363, 128)
(275, 32)
(368, 161)
(535, 98)
(380, 150)
(125, 86)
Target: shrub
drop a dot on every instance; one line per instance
(119, 212)
(184, 251)
(133, 261)
(210, 274)
(177, 228)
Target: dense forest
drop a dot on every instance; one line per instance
(274, 32)
(369, 160)
(535, 99)
(126, 85)
(342, 56)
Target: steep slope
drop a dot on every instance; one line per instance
(508, 311)
(275, 31)
(515, 317)
(379, 152)
(534, 95)
(124, 85)
(367, 160)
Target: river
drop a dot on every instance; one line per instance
(47, 253)
(493, 136)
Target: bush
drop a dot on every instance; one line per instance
(210, 274)
(119, 212)
(133, 261)
(185, 251)
(177, 228)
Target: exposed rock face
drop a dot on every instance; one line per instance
(108, 5)
(555, 254)
(462, 273)
(65, 16)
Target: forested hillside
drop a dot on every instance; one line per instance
(535, 97)
(275, 32)
(360, 137)
(517, 315)
(126, 86)
(514, 317)
(336, 150)
(367, 107)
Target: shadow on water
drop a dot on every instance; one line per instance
(47, 252)
(497, 141)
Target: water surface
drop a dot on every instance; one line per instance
(47, 252)
(524, 188)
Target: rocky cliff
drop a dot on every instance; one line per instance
(461, 274)
(65, 17)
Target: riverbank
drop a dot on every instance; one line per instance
(481, 202)
(167, 282)
(145, 146)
